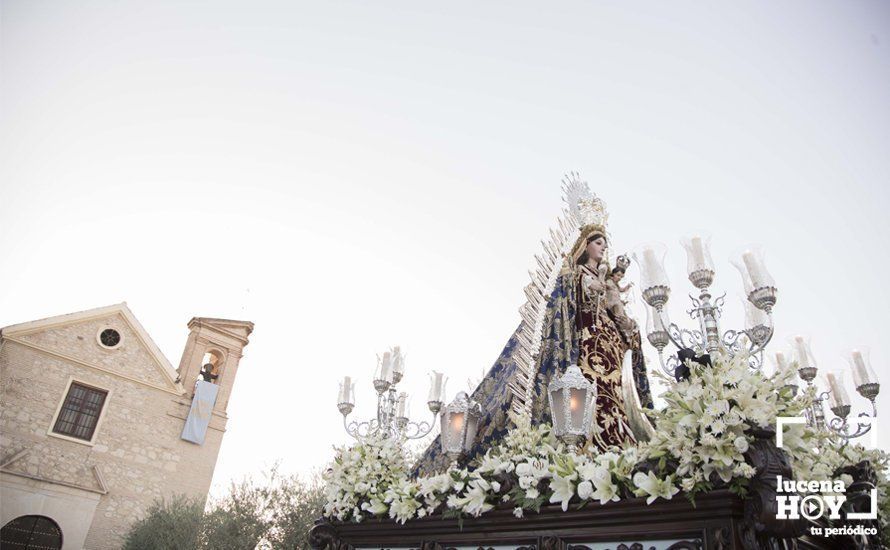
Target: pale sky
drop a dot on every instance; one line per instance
(351, 176)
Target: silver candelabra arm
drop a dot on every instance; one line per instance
(702, 305)
(841, 426)
(670, 366)
(757, 337)
(361, 430)
(387, 424)
(417, 430)
(678, 335)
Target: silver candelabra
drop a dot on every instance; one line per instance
(864, 378)
(392, 406)
(760, 290)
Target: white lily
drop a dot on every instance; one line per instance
(375, 506)
(563, 490)
(475, 504)
(649, 484)
(606, 491)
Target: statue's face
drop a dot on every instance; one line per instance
(596, 248)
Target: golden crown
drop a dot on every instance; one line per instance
(585, 208)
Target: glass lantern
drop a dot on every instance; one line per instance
(757, 322)
(402, 410)
(383, 375)
(460, 420)
(346, 396)
(802, 355)
(398, 365)
(699, 264)
(838, 399)
(780, 362)
(654, 283)
(760, 287)
(754, 316)
(572, 405)
(436, 397)
(864, 377)
(656, 331)
(749, 262)
(782, 366)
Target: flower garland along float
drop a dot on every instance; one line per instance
(702, 440)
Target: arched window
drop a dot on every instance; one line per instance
(31, 533)
(210, 365)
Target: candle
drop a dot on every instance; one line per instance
(698, 253)
(803, 359)
(752, 264)
(860, 369)
(345, 390)
(398, 361)
(402, 406)
(650, 264)
(838, 393)
(781, 363)
(438, 387)
(386, 367)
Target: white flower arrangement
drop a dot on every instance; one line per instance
(705, 427)
(701, 440)
(369, 479)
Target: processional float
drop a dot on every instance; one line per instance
(723, 522)
(458, 419)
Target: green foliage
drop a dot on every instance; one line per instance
(299, 503)
(275, 513)
(168, 526)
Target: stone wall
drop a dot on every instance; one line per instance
(137, 449)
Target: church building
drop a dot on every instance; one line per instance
(96, 424)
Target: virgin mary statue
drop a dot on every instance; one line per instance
(569, 319)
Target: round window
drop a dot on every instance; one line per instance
(110, 338)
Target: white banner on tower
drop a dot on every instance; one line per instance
(199, 415)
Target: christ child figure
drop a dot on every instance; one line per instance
(614, 303)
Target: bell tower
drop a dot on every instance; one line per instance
(214, 346)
